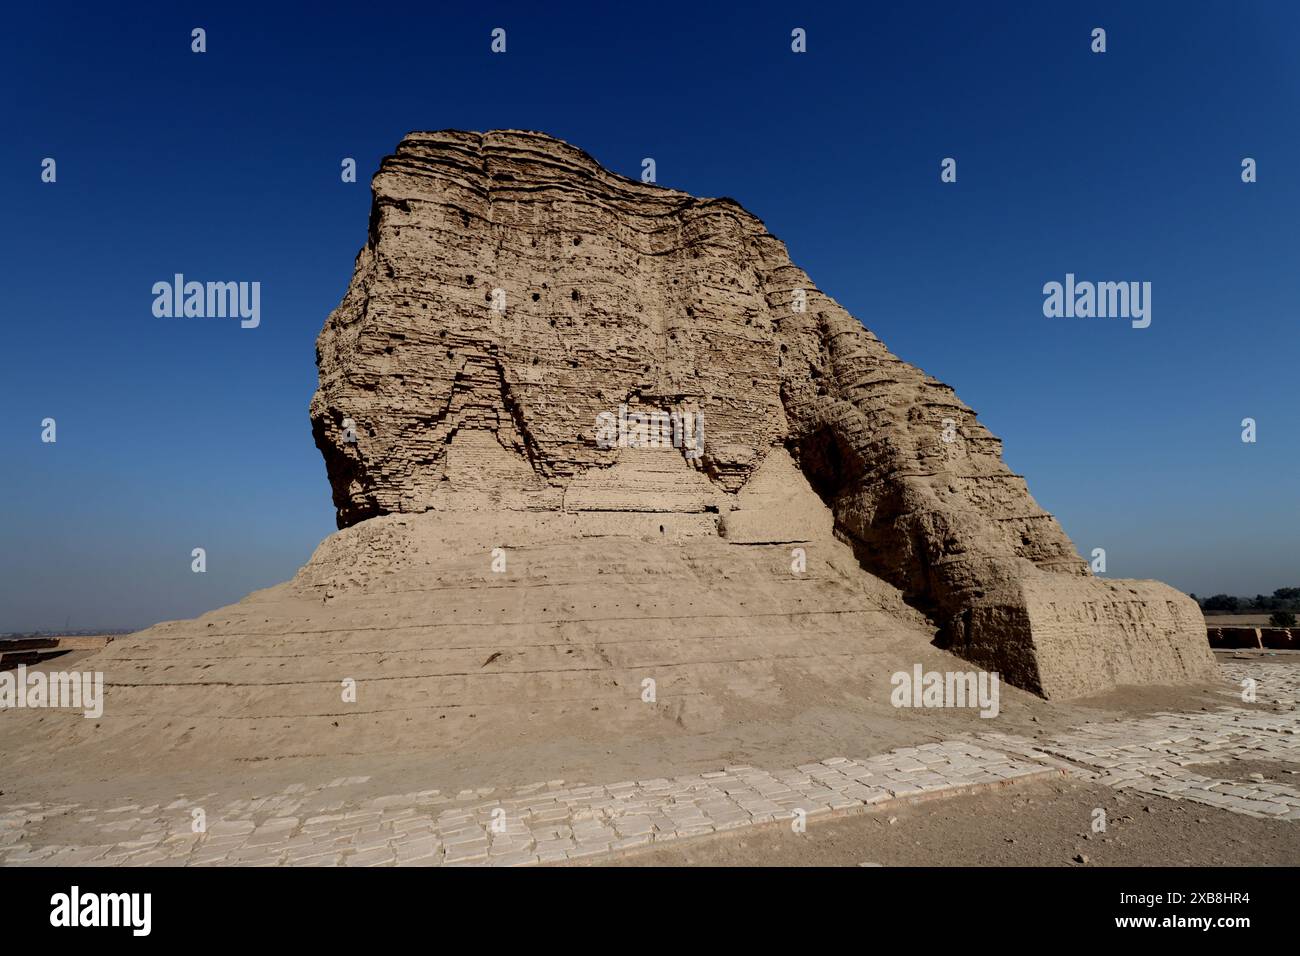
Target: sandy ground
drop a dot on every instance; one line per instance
(1041, 823)
(809, 728)
(582, 753)
(1036, 824)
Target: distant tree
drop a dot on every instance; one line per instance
(1194, 597)
(1222, 602)
(1282, 619)
(1287, 594)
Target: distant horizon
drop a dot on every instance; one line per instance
(1085, 184)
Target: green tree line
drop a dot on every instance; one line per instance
(1281, 605)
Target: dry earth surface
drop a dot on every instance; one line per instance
(1040, 824)
(1186, 776)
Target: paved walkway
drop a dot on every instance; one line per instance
(550, 821)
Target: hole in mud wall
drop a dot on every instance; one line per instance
(825, 464)
(881, 548)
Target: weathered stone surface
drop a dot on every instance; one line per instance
(622, 293)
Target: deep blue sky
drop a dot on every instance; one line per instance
(176, 433)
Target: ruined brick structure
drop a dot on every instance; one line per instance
(512, 290)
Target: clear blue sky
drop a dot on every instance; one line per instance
(175, 433)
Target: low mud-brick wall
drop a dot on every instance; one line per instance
(1275, 638)
(37, 650)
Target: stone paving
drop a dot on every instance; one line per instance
(540, 823)
(552, 822)
(1154, 754)
(1276, 683)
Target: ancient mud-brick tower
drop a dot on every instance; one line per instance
(512, 290)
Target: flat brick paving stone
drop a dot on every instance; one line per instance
(380, 856)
